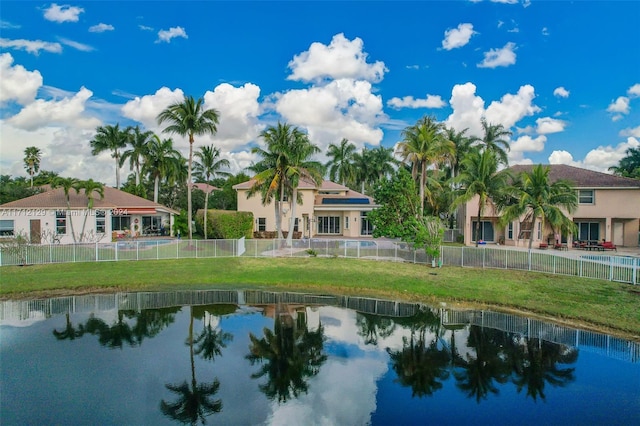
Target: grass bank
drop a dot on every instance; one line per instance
(601, 305)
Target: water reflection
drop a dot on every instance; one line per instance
(278, 358)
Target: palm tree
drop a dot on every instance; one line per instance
(189, 118)
(139, 143)
(209, 167)
(160, 161)
(493, 140)
(536, 197)
(363, 170)
(629, 166)
(110, 138)
(479, 177)
(32, 161)
(70, 332)
(89, 187)
(340, 164)
(382, 163)
(67, 184)
(424, 145)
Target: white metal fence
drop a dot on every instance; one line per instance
(612, 268)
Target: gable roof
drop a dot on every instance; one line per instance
(582, 178)
(205, 187)
(113, 199)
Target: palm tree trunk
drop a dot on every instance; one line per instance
(117, 157)
(423, 172)
(533, 226)
(279, 218)
(478, 222)
(70, 218)
(189, 206)
(292, 221)
(206, 211)
(137, 173)
(156, 188)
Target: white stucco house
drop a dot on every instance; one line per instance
(47, 218)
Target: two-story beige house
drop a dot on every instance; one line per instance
(609, 209)
(326, 210)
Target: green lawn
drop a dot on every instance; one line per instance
(599, 304)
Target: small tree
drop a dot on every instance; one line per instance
(16, 247)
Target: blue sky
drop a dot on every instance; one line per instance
(563, 76)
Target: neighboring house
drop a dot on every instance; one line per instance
(609, 209)
(205, 187)
(45, 217)
(330, 209)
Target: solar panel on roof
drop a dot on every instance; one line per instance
(345, 201)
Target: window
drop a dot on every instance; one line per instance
(588, 231)
(510, 231)
(586, 196)
(100, 222)
(539, 230)
(295, 225)
(6, 228)
(329, 225)
(486, 231)
(119, 223)
(366, 227)
(262, 224)
(346, 222)
(61, 222)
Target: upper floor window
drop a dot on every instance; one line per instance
(586, 196)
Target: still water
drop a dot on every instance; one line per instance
(251, 357)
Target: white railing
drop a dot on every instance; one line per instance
(612, 268)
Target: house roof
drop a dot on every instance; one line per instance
(349, 198)
(205, 187)
(113, 199)
(326, 185)
(582, 178)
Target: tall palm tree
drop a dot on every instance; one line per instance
(32, 161)
(189, 118)
(479, 177)
(536, 197)
(110, 138)
(382, 163)
(424, 145)
(363, 169)
(67, 184)
(494, 140)
(340, 164)
(139, 143)
(90, 187)
(209, 167)
(160, 161)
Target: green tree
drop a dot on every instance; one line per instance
(161, 161)
(227, 197)
(32, 157)
(70, 332)
(15, 189)
(110, 138)
(189, 118)
(494, 140)
(138, 141)
(479, 177)
(372, 326)
(629, 166)
(340, 165)
(424, 145)
(67, 184)
(536, 197)
(209, 166)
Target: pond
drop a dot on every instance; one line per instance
(253, 357)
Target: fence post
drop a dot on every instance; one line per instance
(137, 250)
(484, 252)
(634, 271)
(97, 252)
(50, 254)
(196, 249)
(74, 252)
(529, 259)
(116, 250)
(610, 268)
(462, 257)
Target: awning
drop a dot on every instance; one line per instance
(128, 211)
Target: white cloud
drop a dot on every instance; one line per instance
(239, 110)
(468, 109)
(342, 58)
(31, 46)
(145, 28)
(548, 125)
(64, 13)
(563, 157)
(499, 57)
(340, 109)
(635, 132)
(545, 31)
(561, 92)
(458, 37)
(634, 91)
(505, 1)
(527, 144)
(100, 28)
(17, 84)
(599, 159)
(145, 109)
(620, 105)
(167, 35)
(512, 108)
(6, 25)
(69, 111)
(431, 101)
(79, 46)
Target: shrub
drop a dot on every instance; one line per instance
(225, 224)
